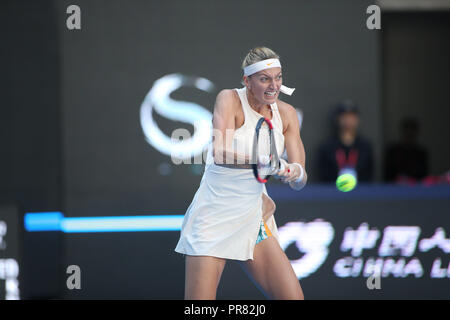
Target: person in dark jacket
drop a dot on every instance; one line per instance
(406, 158)
(347, 148)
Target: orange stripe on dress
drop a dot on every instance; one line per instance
(267, 229)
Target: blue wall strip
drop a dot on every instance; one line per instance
(43, 221)
(55, 221)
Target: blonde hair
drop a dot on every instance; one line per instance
(258, 54)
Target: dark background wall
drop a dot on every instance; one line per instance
(110, 64)
(30, 107)
(415, 79)
(31, 175)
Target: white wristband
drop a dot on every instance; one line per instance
(301, 181)
(302, 174)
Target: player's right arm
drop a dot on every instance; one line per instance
(224, 118)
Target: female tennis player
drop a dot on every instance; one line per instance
(231, 216)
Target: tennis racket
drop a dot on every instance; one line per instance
(265, 159)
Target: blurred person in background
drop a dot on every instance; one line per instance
(346, 148)
(406, 160)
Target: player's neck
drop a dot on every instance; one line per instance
(255, 104)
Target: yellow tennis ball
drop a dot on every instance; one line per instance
(346, 182)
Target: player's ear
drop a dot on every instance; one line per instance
(246, 81)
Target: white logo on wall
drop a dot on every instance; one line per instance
(3, 229)
(312, 239)
(158, 99)
(9, 271)
(397, 241)
(181, 146)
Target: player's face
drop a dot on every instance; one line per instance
(265, 84)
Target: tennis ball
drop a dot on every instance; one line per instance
(346, 182)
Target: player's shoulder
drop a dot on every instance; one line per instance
(286, 109)
(227, 98)
(229, 94)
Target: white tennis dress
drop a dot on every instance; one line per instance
(223, 219)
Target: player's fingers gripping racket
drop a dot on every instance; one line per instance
(265, 160)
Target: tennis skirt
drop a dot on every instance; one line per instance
(224, 219)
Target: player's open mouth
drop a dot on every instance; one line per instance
(270, 94)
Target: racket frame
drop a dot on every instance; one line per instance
(274, 158)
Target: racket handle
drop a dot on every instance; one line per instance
(283, 165)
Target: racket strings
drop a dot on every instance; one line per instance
(267, 157)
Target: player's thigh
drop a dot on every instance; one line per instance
(202, 276)
(272, 271)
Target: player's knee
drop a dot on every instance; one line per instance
(295, 293)
(301, 296)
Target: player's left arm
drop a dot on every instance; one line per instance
(294, 145)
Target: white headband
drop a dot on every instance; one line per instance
(266, 64)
